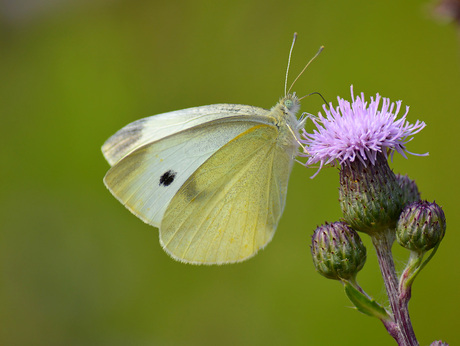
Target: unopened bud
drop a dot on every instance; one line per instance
(337, 250)
(409, 189)
(421, 226)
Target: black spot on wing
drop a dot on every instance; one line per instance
(167, 178)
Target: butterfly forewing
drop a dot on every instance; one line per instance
(154, 128)
(146, 180)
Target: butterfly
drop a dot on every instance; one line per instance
(213, 178)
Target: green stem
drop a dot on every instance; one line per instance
(413, 268)
(405, 335)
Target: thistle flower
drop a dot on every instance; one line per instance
(359, 131)
(359, 137)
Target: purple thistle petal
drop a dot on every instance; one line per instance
(359, 131)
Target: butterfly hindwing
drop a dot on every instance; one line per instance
(230, 206)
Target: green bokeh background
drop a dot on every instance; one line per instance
(79, 269)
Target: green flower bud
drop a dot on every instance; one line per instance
(439, 343)
(421, 226)
(370, 196)
(409, 189)
(338, 252)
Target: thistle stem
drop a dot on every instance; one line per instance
(404, 333)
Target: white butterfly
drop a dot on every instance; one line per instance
(213, 179)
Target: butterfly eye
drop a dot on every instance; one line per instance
(288, 104)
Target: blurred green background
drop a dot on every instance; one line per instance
(80, 269)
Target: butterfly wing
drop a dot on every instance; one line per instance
(230, 206)
(154, 128)
(146, 179)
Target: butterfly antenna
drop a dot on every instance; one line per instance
(301, 72)
(314, 93)
(289, 63)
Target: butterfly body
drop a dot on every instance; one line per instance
(213, 179)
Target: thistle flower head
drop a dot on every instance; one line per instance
(359, 130)
(370, 197)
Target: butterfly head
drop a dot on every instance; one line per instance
(290, 104)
